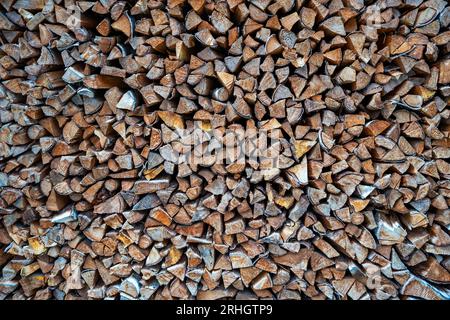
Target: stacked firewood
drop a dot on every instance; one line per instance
(110, 186)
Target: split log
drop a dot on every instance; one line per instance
(200, 149)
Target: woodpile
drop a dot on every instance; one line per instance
(106, 194)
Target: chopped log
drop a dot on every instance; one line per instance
(236, 149)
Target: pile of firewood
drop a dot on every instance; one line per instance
(111, 185)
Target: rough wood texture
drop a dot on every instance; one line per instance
(112, 118)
